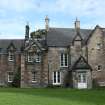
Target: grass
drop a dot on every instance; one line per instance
(15, 96)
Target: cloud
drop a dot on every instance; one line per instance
(17, 5)
(81, 7)
(12, 28)
(15, 13)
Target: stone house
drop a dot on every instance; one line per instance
(68, 57)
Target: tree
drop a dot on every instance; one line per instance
(17, 78)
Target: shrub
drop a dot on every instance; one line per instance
(17, 78)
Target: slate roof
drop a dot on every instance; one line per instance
(62, 37)
(56, 37)
(4, 43)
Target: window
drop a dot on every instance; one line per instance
(30, 57)
(33, 76)
(56, 78)
(38, 58)
(10, 76)
(64, 60)
(11, 56)
(82, 77)
(98, 46)
(99, 67)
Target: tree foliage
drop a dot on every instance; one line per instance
(17, 78)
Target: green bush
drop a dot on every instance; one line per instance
(17, 78)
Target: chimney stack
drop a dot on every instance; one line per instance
(77, 25)
(27, 28)
(47, 23)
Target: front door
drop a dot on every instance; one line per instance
(82, 80)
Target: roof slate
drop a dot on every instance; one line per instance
(4, 43)
(81, 63)
(62, 37)
(56, 37)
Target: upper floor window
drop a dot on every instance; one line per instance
(38, 58)
(64, 60)
(11, 56)
(30, 57)
(99, 67)
(98, 46)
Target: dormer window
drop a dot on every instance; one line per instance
(30, 57)
(11, 56)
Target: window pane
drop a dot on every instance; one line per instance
(58, 77)
(33, 76)
(84, 78)
(79, 78)
(54, 77)
(66, 60)
(10, 76)
(30, 57)
(38, 58)
(61, 59)
(11, 56)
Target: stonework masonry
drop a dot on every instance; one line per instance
(67, 57)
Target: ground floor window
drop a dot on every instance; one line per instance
(56, 77)
(33, 76)
(10, 76)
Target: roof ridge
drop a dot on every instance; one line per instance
(68, 28)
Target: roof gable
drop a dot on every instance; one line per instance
(92, 32)
(34, 47)
(81, 63)
(11, 46)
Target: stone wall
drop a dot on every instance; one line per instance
(54, 63)
(8, 66)
(96, 55)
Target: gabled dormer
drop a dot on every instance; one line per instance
(11, 47)
(11, 52)
(77, 40)
(33, 53)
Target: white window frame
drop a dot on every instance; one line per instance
(38, 58)
(11, 56)
(82, 78)
(56, 78)
(98, 46)
(30, 57)
(33, 77)
(9, 76)
(64, 61)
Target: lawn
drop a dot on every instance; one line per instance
(15, 96)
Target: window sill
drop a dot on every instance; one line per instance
(63, 66)
(10, 81)
(34, 81)
(56, 83)
(11, 60)
(99, 70)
